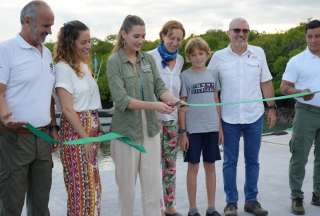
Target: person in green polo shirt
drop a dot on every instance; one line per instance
(138, 93)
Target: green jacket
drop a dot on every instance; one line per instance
(141, 81)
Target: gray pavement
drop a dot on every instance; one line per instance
(273, 184)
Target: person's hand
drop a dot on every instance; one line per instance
(180, 104)
(163, 108)
(271, 117)
(88, 147)
(173, 103)
(183, 141)
(221, 136)
(54, 134)
(89, 151)
(183, 106)
(9, 122)
(307, 97)
(55, 147)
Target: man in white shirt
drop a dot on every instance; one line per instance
(26, 85)
(302, 74)
(243, 74)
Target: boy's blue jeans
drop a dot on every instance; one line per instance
(252, 141)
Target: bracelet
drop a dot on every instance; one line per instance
(182, 130)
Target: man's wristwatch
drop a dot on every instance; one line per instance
(182, 131)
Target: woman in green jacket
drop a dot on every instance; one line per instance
(138, 94)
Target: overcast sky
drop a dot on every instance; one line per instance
(104, 17)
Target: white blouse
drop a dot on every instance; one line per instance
(240, 78)
(171, 78)
(84, 90)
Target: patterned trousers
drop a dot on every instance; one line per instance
(81, 175)
(169, 150)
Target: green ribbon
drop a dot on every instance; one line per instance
(82, 141)
(254, 100)
(128, 141)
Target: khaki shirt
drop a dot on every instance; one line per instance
(141, 81)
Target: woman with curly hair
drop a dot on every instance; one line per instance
(79, 98)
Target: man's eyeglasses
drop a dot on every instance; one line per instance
(238, 30)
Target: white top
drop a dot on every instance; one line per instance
(84, 90)
(171, 78)
(240, 78)
(304, 71)
(29, 77)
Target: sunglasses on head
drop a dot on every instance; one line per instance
(238, 30)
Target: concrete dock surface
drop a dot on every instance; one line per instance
(274, 193)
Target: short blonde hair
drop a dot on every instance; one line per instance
(196, 43)
(169, 26)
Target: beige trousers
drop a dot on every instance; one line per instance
(128, 164)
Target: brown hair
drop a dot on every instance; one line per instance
(127, 24)
(196, 43)
(169, 26)
(64, 49)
